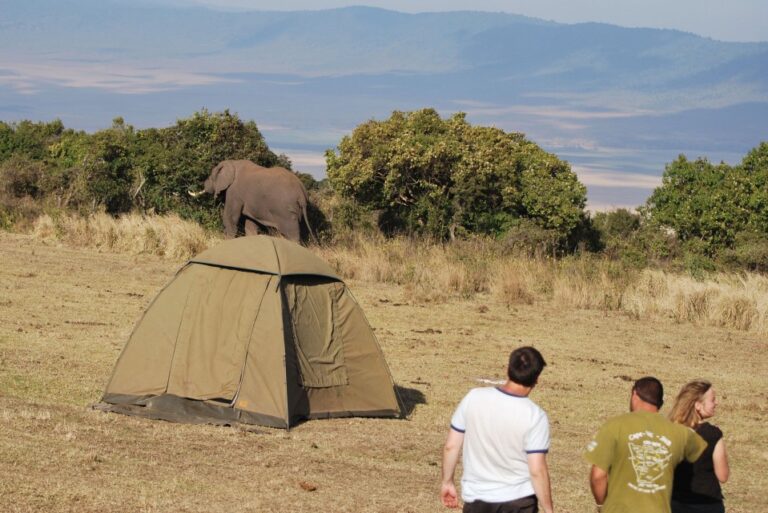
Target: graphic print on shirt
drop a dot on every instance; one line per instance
(650, 454)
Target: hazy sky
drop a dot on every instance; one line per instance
(727, 20)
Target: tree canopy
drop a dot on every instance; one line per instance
(120, 168)
(445, 177)
(712, 206)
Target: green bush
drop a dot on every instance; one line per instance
(696, 259)
(526, 238)
(750, 252)
(18, 213)
(619, 223)
(445, 178)
(28, 139)
(20, 177)
(346, 215)
(713, 203)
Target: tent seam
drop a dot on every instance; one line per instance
(248, 349)
(176, 342)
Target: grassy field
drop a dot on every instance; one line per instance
(65, 314)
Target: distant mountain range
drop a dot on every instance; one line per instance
(616, 102)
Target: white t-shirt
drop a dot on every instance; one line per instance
(500, 430)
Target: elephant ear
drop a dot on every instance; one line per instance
(223, 176)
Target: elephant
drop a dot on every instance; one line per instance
(271, 197)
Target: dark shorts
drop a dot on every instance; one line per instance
(683, 507)
(523, 505)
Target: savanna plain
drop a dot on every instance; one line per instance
(67, 308)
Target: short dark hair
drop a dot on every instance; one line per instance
(525, 365)
(650, 390)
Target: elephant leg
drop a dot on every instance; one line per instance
(293, 234)
(290, 229)
(251, 227)
(231, 216)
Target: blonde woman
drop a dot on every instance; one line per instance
(697, 485)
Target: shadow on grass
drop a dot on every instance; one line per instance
(409, 398)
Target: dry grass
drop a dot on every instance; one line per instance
(166, 236)
(733, 301)
(433, 272)
(65, 314)
(430, 271)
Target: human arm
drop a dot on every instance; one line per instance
(720, 461)
(598, 482)
(537, 465)
(601, 452)
(451, 451)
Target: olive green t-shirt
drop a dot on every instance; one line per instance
(640, 451)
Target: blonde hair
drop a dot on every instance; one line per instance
(684, 410)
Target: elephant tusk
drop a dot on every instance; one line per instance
(195, 194)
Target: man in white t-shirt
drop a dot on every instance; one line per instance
(505, 440)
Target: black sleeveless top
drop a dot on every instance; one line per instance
(696, 482)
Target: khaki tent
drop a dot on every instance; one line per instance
(255, 330)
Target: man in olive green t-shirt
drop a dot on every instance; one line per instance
(634, 455)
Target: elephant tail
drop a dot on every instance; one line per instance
(306, 223)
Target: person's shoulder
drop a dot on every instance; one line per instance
(610, 429)
(710, 431)
(621, 418)
(478, 392)
(614, 424)
(534, 406)
(686, 432)
(482, 391)
(674, 426)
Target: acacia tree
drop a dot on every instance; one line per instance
(445, 177)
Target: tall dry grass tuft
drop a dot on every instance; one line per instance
(428, 271)
(167, 236)
(521, 280)
(574, 285)
(726, 300)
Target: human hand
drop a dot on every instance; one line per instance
(448, 495)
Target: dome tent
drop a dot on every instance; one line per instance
(256, 330)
